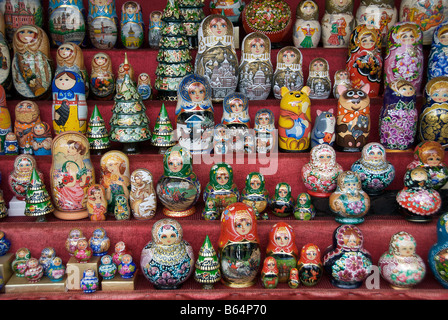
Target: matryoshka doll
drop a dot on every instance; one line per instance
(307, 29)
(347, 247)
(67, 22)
(178, 189)
(73, 237)
(320, 174)
(293, 280)
(221, 139)
(71, 175)
(418, 201)
(142, 198)
(46, 256)
(167, 261)
(438, 252)
(42, 139)
(5, 244)
(288, 72)
(15, 18)
(107, 268)
(120, 250)
(32, 66)
(18, 265)
(282, 247)
(282, 203)
(401, 266)
(144, 86)
(269, 273)
(264, 127)
(365, 63)
(155, 29)
(375, 171)
(404, 55)
(83, 252)
(11, 145)
(132, 26)
(255, 70)
(194, 114)
(69, 57)
(238, 246)
(19, 179)
(56, 270)
(221, 190)
(89, 282)
(102, 79)
(310, 266)
(99, 242)
(438, 56)
(27, 114)
(323, 131)
(126, 267)
(34, 271)
(319, 79)
(216, 58)
(398, 116)
(97, 203)
(102, 19)
(256, 195)
(337, 23)
(304, 208)
(235, 117)
(341, 78)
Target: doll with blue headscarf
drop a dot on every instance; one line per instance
(438, 56)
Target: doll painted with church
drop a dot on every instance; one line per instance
(103, 23)
(236, 118)
(42, 139)
(132, 26)
(438, 56)
(319, 79)
(288, 72)
(67, 22)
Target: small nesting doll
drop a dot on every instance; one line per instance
(401, 266)
(307, 29)
(5, 244)
(11, 145)
(73, 237)
(264, 127)
(120, 250)
(42, 139)
(32, 69)
(320, 174)
(418, 201)
(34, 271)
(438, 56)
(282, 203)
(18, 265)
(179, 188)
(310, 266)
(167, 261)
(144, 86)
(349, 202)
(107, 268)
(398, 116)
(69, 57)
(404, 55)
(236, 118)
(132, 26)
(102, 79)
(323, 131)
(103, 23)
(269, 273)
(143, 199)
(375, 171)
(341, 77)
(238, 246)
(255, 70)
(338, 259)
(19, 179)
(337, 23)
(67, 22)
(27, 114)
(304, 208)
(126, 267)
(83, 252)
(56, 270)
(293, 280)
(99, 242)
(319, 79)
(256, 195)
(282, 247)
(438, 253)
(221, 139)
(288, 72)
(46, 256)
(97, 203)
(89, 282)
(155, 29)
(221, 190)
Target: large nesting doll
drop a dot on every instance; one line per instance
(255, 69)
(337, 23)
(288, 72)
(20, 13)
(71, 175)
(319, 79)
(216, 58)
(132, 26)
(438, 56)
(235, 117)
(307, 29)
(238, 246)
(194, 114)
(102, 79)
(32, 68)
(69, 57)
(103, 21)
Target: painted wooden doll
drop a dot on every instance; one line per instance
(143, 199)
(337, 23)
(42, 139)
(404, 55)
(67, 22)
(194, 114)
(47, 254)
(99, 242)
(34, 271)
(307, 29)
(120, 250)
(5, 244)
(11, 145)
(127, 267)
(97, 203)
(216, 58)
(167, 261)
(83, 252)
(20, 13)
(282, 203)
(282, 247)
(144, 86)
(179, 188)
(365, 63)
(73, 237)
(341, 77)
(71, 175)
(32, 66)
(347, 246)
(310, 266)
(398, 116)
(401, 266)
(56, 270)
(293, 280)
(323, 131)
(238, 246)
(69, 57)
(319, 79)
(155, 29)
(288, 72)
(19, 179)
(27, 114)
(102, 19)
(235, 117)
(269, 273)
(438, 252)
(5, 57)
(132, 26)
(89, 282)
(107, 268)
(304, 208)
(221, 139)
(320, 174)
(102, 79)
(256, 195)
(438, 56)
(264, 127)
(18, 265)
(255, 70)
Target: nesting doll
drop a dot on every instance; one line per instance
(120, 250)
(143, 199)
(19, 179)
(304, 208)
(365, 63)
(235, 117)
(89, 282)
(288, 72)
(73, 237)
(438, 252)
(401, 266)
(167, 261)
(221, 139)
(323, 131)
(107, 268)
(97, 203)
(99, 242)
(103, 23)
(264, 127)
(404, 55)
(42, 139)
(5, 244)
(319, 79)
(337, 23)
(18, 265)
(27, 114)
(309, 266)
(282, 203)
(353, 119)
(398, 116)
(132, 26)
(69, 57)
(126, 267)
(32, 69)
(178, 189)
(56, 270)
(221, 190)
(67, 22)
(238, 246)
(307, 29)
(71, 175)
(255, 194)
(438, 56)
(46, 256)
(341, 77)
(19, 13)
(144, 85)
(115, 177)
(11, 145)
(320, 174)
(349, 202)
(255, 70)
(347, 246)
(283, 249)
(102, 79)
(34, 271)
(5, 57)
(269, 273)
(434, 113)
(418, 201)
(83, 252)
(216, 58)
(194, 114)
(155, 29)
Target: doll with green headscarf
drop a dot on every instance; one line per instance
(304, 209)
(255, 194)
(282, 203)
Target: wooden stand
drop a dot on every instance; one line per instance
(75, 271)
(117, 283)
(22, 285)
(66, 215)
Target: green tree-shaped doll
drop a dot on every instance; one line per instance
(97, 133)
(38, 200)
(162, 135)
(207, 266)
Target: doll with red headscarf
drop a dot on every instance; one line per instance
(310, 265)
(269, 273)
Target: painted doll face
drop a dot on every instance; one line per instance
(113, 166)
(440, 94)
(39, 129)
(255, 183)
(168, 236)
(65, 51)
(72, 150)
(308, 8)
(303, 199)
(282, 238)
(175, 162)
(341, 3)
(27, 35)
(25, 165)
(222, 176)
(406, 248)
(155, 17)
(406, 37)
(218, 26)
(196, 91)
(289, 57)
(65, 81)
(324, 158)
(283, 191)
(263, 119)
(131, 8)
(343, 75)
(443, 37)
(236, 105)
(406, 90)
(257, 46)
(243, 225)
(419, 174)
(433, 159)
(311, 253)
(367, 41)
(100, 60)
(374, 155)
(351, 240)
(351, 184)
(318, 65)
